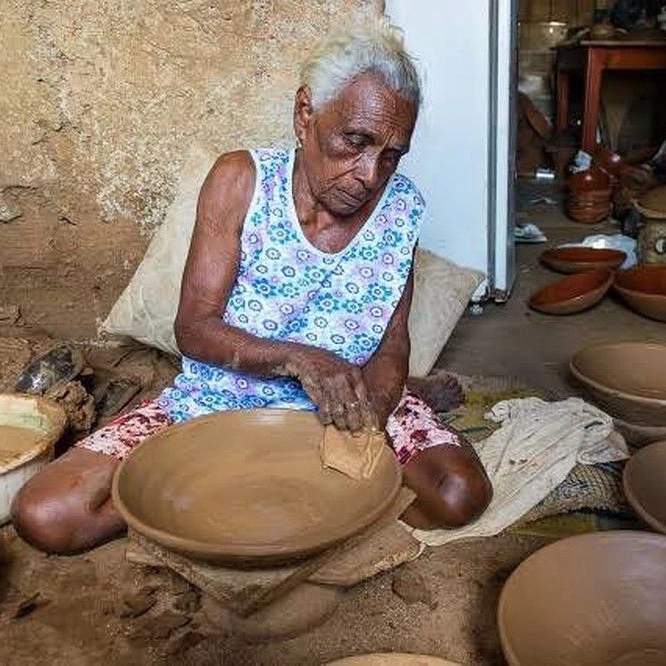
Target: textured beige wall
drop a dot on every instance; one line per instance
(101, 100)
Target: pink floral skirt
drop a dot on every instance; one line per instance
(412, 427)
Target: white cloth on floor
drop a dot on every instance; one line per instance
(532, 452)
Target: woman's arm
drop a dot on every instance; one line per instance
(334, 385)
(386, 372)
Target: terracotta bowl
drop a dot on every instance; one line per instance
(643, 289)
(644, 481)
(626, 379)
(247, 488)
(588, 600)
(393, 659)
(572, 294)
(579, 259)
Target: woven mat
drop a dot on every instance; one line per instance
(588, 487)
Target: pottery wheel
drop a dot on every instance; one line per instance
(247, 488)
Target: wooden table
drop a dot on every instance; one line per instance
(593, 58)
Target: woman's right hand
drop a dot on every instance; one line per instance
(335, 386)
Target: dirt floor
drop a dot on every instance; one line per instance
(88, 609)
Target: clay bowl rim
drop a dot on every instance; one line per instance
(602, 288)
(627, 486)
(610, 535)
(638, 270)
(53, 412)
(556, 263)
(584, 379)
(238, 554)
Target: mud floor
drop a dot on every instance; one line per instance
(96, 608)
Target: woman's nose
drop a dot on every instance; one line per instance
(368, 170)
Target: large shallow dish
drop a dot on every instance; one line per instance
(588, 600)
(579, 259)
(247, 488)
(644, 290)
(393, 659)
(644, 481)
(572, 294)
(29, 428)
(626, 379)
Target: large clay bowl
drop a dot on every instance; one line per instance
(247, 488)
(644, 290)
(644, 481)
(572, 294)
(588, 600)
(579, 259)
(626, 379)
(393, 659)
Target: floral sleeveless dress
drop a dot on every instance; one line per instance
(289, 290)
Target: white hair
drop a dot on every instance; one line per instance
(376, 47)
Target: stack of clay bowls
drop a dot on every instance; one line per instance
(627, 380)
(590, 195)
(592, 276)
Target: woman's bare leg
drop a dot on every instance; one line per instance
(67, 507)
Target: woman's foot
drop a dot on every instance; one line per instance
(440, 391)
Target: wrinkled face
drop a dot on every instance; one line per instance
(354, 143)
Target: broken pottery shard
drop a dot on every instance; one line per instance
(353, 454)
(8, 211)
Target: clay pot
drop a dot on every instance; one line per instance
(643, 289)
(588, 600)
(643, 481)
(626, 379)
(579, 259)
(586, 181)
(609, 161)
(247, 488)
(572, 294)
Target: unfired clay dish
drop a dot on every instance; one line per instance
(29, 428)
(644, 480)
(643, 288)
(588, 600)
(393, 659)
(572, 294)
(247, 488)
(579, 259)
(626, 379)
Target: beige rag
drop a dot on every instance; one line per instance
(353, 454)
(532, 453)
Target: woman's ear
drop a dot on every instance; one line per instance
(302, 112)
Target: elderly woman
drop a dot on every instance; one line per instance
(296, 294)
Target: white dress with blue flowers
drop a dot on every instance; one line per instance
(289, 290)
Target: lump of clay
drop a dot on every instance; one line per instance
(353, 454)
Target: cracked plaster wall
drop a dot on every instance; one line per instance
(101, 101)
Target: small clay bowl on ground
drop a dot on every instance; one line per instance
(579, 259)
(572, 294)
(588, 600)
(248, 489)
(626, 379)
(643, 289)
(644, 481)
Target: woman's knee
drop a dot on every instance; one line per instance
(45, 521)
(451, 486)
